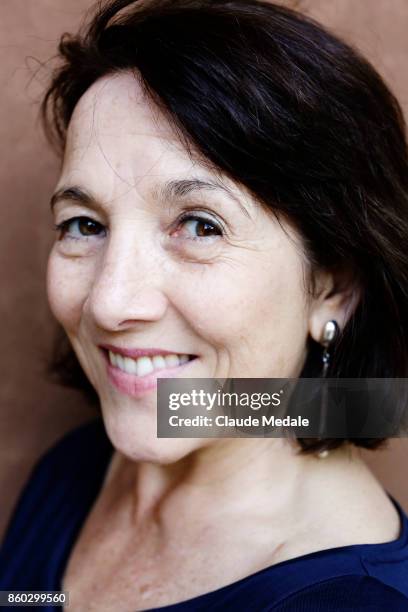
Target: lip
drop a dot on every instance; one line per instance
(134, 353)
(135, 386)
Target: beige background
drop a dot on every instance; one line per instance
(34, 413)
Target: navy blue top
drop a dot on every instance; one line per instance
(65, 482)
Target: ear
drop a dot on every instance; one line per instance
(336, 297)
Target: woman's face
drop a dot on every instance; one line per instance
(162, 257)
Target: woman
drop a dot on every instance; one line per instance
(232, 203)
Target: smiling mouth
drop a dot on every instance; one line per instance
(145, 365)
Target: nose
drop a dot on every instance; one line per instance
(126, 288)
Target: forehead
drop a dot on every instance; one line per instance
(119, 140)
(117, 104)
(116, 124)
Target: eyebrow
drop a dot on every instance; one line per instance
(170, 190)
(75, 194)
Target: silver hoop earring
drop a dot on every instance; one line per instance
(329, 336)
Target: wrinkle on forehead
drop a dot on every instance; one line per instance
(116, 120)
(100, 111)
(117, 107)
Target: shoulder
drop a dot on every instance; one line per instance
(71, 449)
(72, 467)
(52, 507)
(352, 592)
(356, 577)
(78, 449)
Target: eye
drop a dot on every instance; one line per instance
(78, 228)
(196, 227)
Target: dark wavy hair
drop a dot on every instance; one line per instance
(292, 113)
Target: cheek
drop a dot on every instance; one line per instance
(249, 311)
(68, 284)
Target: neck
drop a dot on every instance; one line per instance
(231, 475)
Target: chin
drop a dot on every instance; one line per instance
(136, 439)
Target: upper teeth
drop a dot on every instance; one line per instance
(145, 365)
